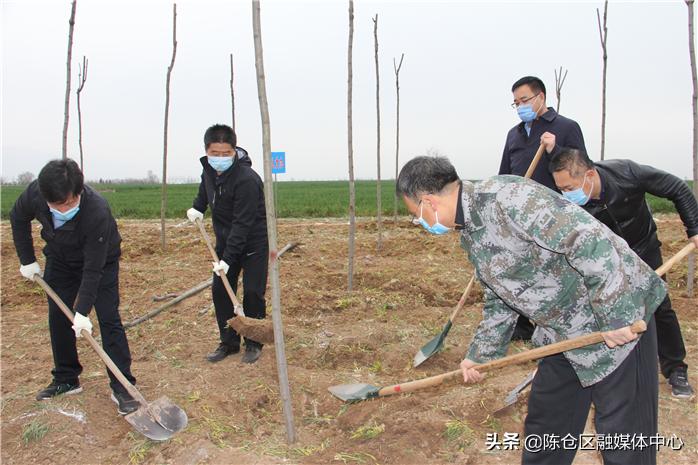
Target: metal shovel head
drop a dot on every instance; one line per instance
(354, 392)
(159, 421)
(433, 346)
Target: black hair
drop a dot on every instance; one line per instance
(220, 133)
(533, 82)
(60, 178)
(573, 160)
(425, 175)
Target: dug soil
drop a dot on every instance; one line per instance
(403, 294)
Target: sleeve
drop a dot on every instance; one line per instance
(505, 164)
(95, 249)
(662, 184)
(245, 206)
(201, 200)
(573, 139)
(619, 285)
(493, 334)
(21, 216)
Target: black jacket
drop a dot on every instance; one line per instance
(623, 208)
(236, 198)
(87, 242)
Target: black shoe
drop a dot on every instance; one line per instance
(56, 389)
(222, 352)
(678, 380)
(252, 353)
(126, 403)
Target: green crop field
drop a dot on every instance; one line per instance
(296, 199)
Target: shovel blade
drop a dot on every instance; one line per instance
(159, 421)
(354, 392)
(433, 346)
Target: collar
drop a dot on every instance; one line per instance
(467, 215)
(460, 216)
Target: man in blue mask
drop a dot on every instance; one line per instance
(82, 266)
(235, 194)
(539, 124)
(614, 192)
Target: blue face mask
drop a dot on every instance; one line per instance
(60, 218)
(220, 163)
(526, 113)
(437, 228)
(578, 196)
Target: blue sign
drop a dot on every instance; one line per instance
(278, 162)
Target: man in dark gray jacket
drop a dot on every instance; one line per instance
(613, 191)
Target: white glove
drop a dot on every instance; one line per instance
(81, 322)
(28, 271)
(193, 214)
(220, 266)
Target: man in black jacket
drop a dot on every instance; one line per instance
(82, 261)
(235, 194)
(539, 124)
(614, 192)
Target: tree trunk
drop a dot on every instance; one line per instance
(397, 67)
(694, 104)
(82, 78)
(559, 82)
(281, 367)
(350, 152)
(163, 205)
(603, 34)
(379, 208)
(66, 108)
(232, 92)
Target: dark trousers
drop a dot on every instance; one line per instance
(670, 345)
(254, 267)
(65, 281)
(625, 402)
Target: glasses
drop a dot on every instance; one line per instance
(523, 101)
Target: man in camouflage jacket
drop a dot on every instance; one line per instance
(539, 256)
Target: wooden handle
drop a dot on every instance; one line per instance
(463, 298)
(533, 354)
(223, 276)
(666, 266)
(534, 162)
(95, 345)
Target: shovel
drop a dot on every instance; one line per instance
(157, 420)
(252, 328)
(359, 392)
(436, 344)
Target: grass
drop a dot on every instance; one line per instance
(370, 430)
(296, 199)
(458, 432)
(34, 431)
(139, 449)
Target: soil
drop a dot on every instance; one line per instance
(403, 294)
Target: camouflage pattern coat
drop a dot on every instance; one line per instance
(538, 255)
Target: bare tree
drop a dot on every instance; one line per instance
(559, 82)
(82, 77)
(281, 367)
(25, 178)
(379, 208)
(397, 67)
(603, 35)
(232, 92)
(163, 205)
(694, 103)
(66, 108)
(350, 152)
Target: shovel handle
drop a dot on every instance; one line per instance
(463, 298)
(223, 276)
(95, 345)
(533, 354)
(534, 162)
(666, 266)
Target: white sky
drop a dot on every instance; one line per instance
(461, 58)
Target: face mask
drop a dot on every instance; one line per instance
(526, 113)
(437, 228)
(578, 196)
(220, 163)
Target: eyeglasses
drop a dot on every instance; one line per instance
(523, 101)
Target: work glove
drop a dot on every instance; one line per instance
(193, 214)
(28, 271)
(220, 266)
(81, 322)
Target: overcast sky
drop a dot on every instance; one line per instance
(461, 58)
